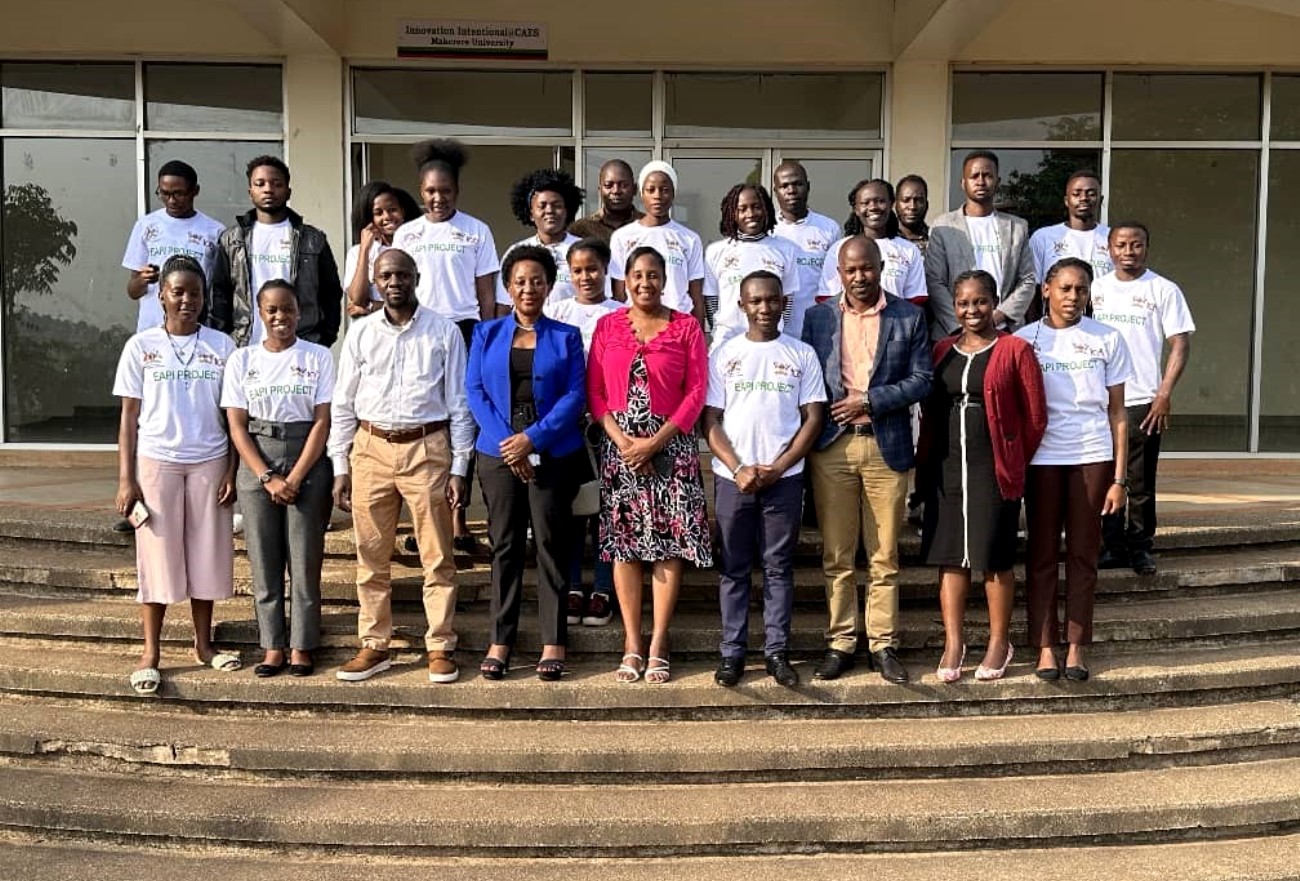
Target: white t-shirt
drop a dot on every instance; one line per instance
(1079, 364)
(903, 273)
(270, 249)
(449, 256)
(562, 289)
(759, 387)
(1052, 243)
(350, 267)
(987, 246)
(1146, 312)
(813, 237)
(178, 381)
(279, 386)
(157, 236)
(726, 263)
(681, 248)
(582, 315)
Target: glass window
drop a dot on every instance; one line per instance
(594, 158)
(1033, 181)
(222, 172)
(1027, 106)
(618, 105)
(830, 181)
(1286, 108)
(703, 182)
(213, 97)
(1279, 420)
(69, 205)
(845, 105)
(67, 96)
(1201, 206)
(1188, 107)
(463, 103)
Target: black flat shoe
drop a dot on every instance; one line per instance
(302, 670)
(729, 671)
(834, 664)
(891, 669)
(1077, 674)
(550, 669)
(1048, 674)
(778, 667)
(266, 671)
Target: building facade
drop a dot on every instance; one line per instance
(1188, 109)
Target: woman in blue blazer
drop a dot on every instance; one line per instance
(526, 389)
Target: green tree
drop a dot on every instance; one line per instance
(37, 242)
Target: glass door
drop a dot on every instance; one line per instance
(704, 177)
(831, 175)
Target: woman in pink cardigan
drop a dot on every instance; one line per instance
(647, 375)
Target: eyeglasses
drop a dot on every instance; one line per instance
(169, 195)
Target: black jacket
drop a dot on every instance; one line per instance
(312, 271)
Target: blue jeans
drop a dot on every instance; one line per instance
(603, 576)
(763, 525)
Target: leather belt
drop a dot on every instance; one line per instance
(280, 430)
(404, 435)
(861, 429)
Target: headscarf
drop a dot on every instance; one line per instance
(656, 166)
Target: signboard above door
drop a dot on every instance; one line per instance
(437, 38)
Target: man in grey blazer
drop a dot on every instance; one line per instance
(976, 236)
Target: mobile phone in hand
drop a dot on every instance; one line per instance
(138, 515)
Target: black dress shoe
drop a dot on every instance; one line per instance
(778, 667)
(1049, 674)
(834, 664)
(1113, 559)
(729, 671)
(301, 670)
(1076, 674)
(266, 671)
(1143, 563)
(891, 669)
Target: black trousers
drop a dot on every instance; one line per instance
(1134, 528)
(548, 502)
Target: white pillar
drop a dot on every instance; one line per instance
(314, 146)
(918, 133)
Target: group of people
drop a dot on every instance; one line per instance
(597, 352)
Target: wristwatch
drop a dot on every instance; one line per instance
(1121, 481)
(866, 404)
(265, 477)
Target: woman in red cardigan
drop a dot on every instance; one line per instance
(979, 428)
(647, 376)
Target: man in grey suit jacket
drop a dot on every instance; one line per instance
(976, 236)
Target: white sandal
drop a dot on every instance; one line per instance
(661, 673)
(226, 662)
(625, 669)
(145, 681)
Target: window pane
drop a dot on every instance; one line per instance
(1033, 181)
(68, 96)
(1279, 421)
(594, 158)
(484, 183)
(1211, 255)
(774, 105)
(1027, 106)
(1286, 108)
(69, 204)
(703, 183)
(830, 181)
(213, 97)
(461, 102)
(618, 104)
(1191, 107)
(221, 168)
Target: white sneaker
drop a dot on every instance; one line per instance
(239, 523)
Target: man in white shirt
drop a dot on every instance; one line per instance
(765, 407)
(176, 228)
(1149, 311)
(401, 431)
(977, 236)
(1082, 234)
(811, 233)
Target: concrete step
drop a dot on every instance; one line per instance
(1270, 858)
(552, 819)
(241, 743)
(1136, 625)
(1180, 677)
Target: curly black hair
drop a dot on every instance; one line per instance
(443, 154)
(728, 225)
(545, 180)
(526, 253)
(853, 226)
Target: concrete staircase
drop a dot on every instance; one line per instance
(1180, 759)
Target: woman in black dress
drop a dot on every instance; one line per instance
(980, 427)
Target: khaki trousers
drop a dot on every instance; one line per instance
(858, 495)
(383, 475)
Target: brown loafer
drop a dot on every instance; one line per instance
(442, 668)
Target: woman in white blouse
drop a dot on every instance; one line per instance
(176, 474)
(276, 396)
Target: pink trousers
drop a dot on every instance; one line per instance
(186, 549)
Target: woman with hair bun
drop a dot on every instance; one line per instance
(176, 471)
(380, 210)
(456, 258)
(547, 200)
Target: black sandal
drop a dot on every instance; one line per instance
(494, 668)
(550, 669)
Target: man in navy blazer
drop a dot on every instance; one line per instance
(874, 350)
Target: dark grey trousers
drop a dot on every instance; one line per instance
(291, 537)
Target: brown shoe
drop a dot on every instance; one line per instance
(367, 663)
(442, 668)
